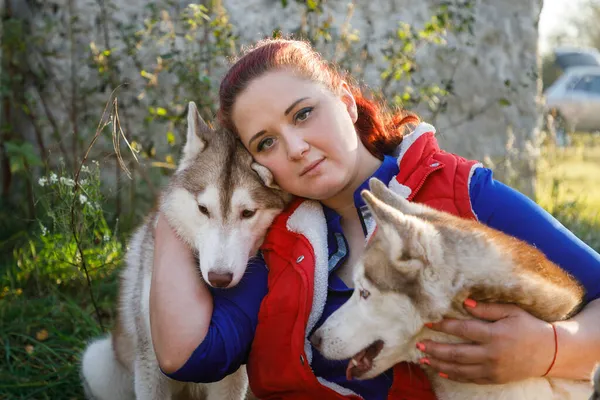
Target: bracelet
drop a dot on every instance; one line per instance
(555, 349)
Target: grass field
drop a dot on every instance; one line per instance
(43, 331)
(569, 186)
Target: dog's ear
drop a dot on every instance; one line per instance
(197, 131)
(404, 235)
(388, 196)
(265, 175)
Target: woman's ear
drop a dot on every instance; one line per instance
(348, 99)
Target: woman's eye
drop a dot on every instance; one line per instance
(265, 144)
(303, 114)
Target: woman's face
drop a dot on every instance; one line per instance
(302, 132)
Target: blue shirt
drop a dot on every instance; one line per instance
(235, 314)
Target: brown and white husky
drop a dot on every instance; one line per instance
(419, 266)
(220, 203)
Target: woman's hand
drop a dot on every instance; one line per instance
(507, 344)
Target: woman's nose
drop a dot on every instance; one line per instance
(297, 147)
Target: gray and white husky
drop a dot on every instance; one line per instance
(419, 266)
(220, 203)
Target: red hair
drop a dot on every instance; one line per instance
(380, 130)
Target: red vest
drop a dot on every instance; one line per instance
(295, 251)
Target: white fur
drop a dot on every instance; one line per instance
(103, 376)
(210, 199)
(360, 322)
(225, 243)
(266, 175)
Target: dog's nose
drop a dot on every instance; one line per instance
(316, 339)
(220, 280)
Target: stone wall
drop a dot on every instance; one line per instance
(493, 69)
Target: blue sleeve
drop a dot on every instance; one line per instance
(513, 213)
(231, 330)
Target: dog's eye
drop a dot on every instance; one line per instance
(203, 210)
(364, 294)
(246, 214)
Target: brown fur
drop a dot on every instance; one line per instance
(526, 261)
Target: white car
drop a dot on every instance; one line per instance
(574, 100)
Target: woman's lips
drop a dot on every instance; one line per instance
(312, 166)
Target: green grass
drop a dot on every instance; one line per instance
(569, 186)
(35, 367)
(41, 339)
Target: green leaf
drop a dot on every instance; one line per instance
(170, 138)
(504, 102)
(22, 152)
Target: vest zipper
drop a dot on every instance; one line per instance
(422, 181)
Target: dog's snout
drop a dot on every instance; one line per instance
(316, 339)
(220, 280)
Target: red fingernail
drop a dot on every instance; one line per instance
(470, 303)
(429, 325)
(421, 346)
(424, 361)
(443, 375)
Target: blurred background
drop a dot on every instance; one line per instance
(93, 102)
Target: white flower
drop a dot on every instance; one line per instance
(42, 181)
(67, 181)
(44, 230)
(85, 169)
(106, 237)
(82, 199)
(83, 182)
(53, 178)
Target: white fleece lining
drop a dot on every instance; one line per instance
(471, 172)
(412, 137)
(309, 220)
(337, 388)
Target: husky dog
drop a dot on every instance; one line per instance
(220, 203)
(419, 266)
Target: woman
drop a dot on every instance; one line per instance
(322, 139)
